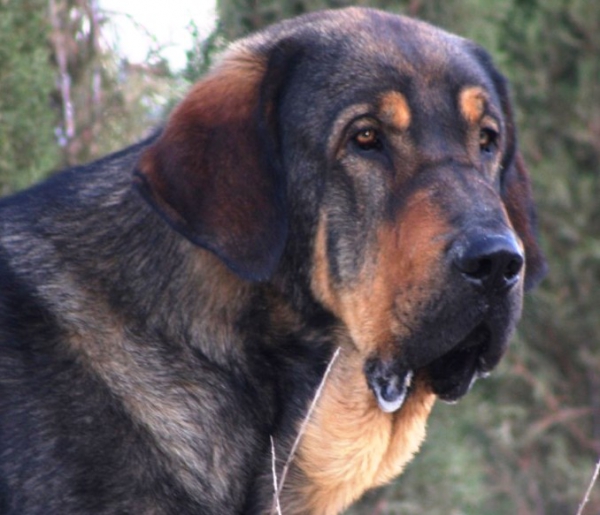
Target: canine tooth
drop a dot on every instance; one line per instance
(408, 379)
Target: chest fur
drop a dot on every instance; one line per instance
(350, 445)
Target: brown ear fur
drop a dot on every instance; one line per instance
(209, 173)
(519, 204)
(516, 187)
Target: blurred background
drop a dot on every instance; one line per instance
(80, 78)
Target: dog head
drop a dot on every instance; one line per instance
(373, 157)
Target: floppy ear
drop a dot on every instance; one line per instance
(213, 175)
(519, 205)
(516, 185)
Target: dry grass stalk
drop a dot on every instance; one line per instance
(589, 490)
(274, 469)
(278, 485)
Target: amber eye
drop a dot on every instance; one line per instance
(367, 139)
(487, 139)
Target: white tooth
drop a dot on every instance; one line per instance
(451, 403)
(473, 379)
(408, 379)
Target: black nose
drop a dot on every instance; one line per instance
(491, 262)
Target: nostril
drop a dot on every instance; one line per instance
(478, 268)
(492, 262)
(514, 266)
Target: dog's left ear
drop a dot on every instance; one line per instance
(516, 189)
(516, 184)
(518, 200)
(213, 173)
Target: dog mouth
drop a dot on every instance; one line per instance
(451, 375)
(389, 387)
(389, 383)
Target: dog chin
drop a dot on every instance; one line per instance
(451, 375)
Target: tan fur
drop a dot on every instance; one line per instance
(396, 277)
(351, 445)
(472, 102)
(395, 110)
(321, 283)
(366, 308)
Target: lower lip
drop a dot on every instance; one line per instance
(391, 406)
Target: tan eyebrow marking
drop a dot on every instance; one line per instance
(395, 110)
(472, 101)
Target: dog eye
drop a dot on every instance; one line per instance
(487, 139)
(367, 139)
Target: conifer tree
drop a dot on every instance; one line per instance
(27, 119)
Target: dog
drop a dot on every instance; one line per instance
(255, 309)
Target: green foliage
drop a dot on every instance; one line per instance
(448, 475)
(202, 54)
(65, 96)
(27, 120)
(555, 71)
(105, 101)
